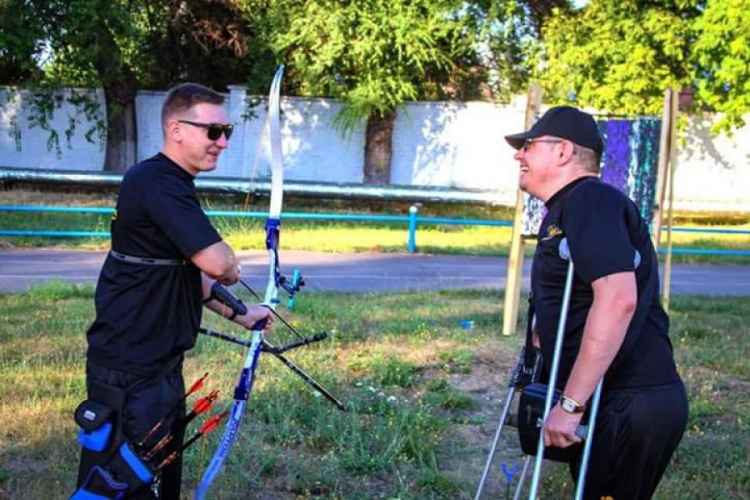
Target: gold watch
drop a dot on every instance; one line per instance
(570, 405)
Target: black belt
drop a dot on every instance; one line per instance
(138, 374)
(148, 260)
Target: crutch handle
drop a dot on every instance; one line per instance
(582, 431)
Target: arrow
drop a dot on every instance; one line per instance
(193, 388)
(201, 406)
(210, 425)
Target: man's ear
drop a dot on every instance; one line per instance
(567, 150)
(173, 131)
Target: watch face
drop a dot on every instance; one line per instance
(568, 406)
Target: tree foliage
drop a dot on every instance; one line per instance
(156, 43)
(122, 46)
(205, 41)
(508, 33)
(375, 55)
(722, 57)
(21, 41)
(613, 55)
(618, 55)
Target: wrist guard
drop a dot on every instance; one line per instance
(223, 295)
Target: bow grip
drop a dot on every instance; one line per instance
(223, 295)
(259, 325)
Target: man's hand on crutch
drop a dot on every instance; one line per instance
(560, 428)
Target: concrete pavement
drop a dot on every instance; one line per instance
(361, 272)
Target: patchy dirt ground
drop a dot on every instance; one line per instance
(469, 439)
(470, 443)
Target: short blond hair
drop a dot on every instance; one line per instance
(588, 158)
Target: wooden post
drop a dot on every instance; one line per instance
(672, 164)
(664, 147)
(515, 259)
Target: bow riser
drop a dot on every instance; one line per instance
(244, 385)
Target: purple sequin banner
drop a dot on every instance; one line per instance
(630, 163)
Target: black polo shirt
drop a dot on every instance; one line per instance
(148, 314)
(605, 235)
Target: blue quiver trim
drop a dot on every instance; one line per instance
(96, 426)
(125, 474)
(100, 484)
(87, 495)
(139, 468)
(97, 440)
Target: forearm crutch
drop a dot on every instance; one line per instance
(564, 254)
(520, 373)
(588, 440)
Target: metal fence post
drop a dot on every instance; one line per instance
(412, 246)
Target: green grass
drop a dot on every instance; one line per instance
(424, 395)
(328, 236)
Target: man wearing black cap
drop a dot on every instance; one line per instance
(616, 327)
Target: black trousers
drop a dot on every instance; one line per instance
(637, 431)
(146, 401)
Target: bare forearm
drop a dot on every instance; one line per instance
(218, 262)
(248, 320)
(206, 283)
(605, 329)
(602, 338)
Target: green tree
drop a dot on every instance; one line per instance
(20, 42)
(618, 55)
(509, 29)
(722, 57)
(121, 46)
(375, 56)
(95, 45)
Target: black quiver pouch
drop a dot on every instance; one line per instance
(115, 470)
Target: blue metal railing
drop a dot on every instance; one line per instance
(413, 220)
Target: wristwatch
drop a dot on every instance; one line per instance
(570, 405)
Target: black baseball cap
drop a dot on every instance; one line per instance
(565, 122)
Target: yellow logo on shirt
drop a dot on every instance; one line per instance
(114, 215)
(552, 231)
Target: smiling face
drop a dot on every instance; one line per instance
(548, 163)
(189, 145)
(537, 160)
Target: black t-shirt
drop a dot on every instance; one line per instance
(605, 235)
(148, 314)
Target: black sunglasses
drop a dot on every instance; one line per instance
(213, 130)
(528, 142)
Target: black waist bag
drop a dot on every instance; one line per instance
(530, 413)
(120, 472)
(98, 418)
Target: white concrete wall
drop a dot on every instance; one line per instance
(461, 145)
(313, 151)
(713, 173)
(440, 144)
(30, 149)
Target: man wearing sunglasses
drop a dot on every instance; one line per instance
(616, 327)
(165, 258)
